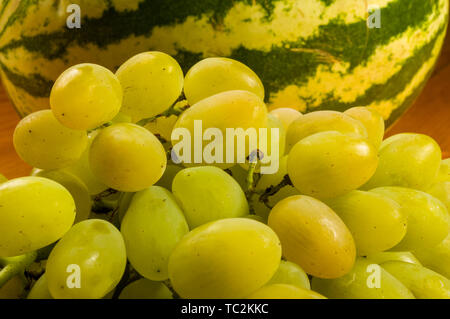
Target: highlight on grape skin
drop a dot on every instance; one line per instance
(124, 200)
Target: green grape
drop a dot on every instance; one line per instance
(228, 258)
(427, 218)
(86, 96)
(34, 212)
(41, 141)
(207, 194)
(436, 258)
(239, 110)
(215, 75)
(152, 82)
(97, 249)
(323, 121)
(444, 171)
(146, 289)
(269, 151)
(270, 180)
(376, 222)
(423, 282)
(3, 179)
(82, 170)
(167, 179)
(40, 289)
(75, 186)
(313, 236)
(405, 256)
(121, 118)
(162, 126)
(127, 157)
(330, 164)
(284, 291)
(373, 122)
(365, 281)
(13, 289)
(441, 191)
(240, 175)
(151, 228)
(287, 116)
(407, 160)
(291, 274)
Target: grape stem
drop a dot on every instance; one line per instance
(272, 190)
(169, 286)
(172, 110)
(14, 266)
(253, 158)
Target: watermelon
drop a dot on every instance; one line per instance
(310, 54)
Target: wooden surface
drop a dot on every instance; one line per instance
(430, 115)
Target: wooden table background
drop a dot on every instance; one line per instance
(429, 115)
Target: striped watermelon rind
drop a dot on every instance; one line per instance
(310, 54)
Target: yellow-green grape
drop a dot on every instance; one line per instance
(13, 289)
(215, 75)
(427, 218)
(291, 274)
(151, 228)
(444, 171)
(34, 212)
(321, 121)
(372, 120)
(287, 116)
(146, 289)
(240, 175)
(86, 96)
(152, 82)
(436, 258)
(330, 164)
(76, 188)
(233, 110)
(40, 289)
(3, 179)
(376, 222)
(82, 169)
(269, 151)
(88, 262)
(162, 127)
(441, 191)
(270, 180)
(170, 173)
(121, 118)
(127, 157)
(366, 281)
(407, 160)
(207, 194)
(229, 258)
(284, 291)
(423, 282)
(43, 142)
(313, 236)
(405, 256)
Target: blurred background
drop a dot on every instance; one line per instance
(429, 115)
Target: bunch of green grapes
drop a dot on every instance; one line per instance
(148, 184)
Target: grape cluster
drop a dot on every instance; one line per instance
(108, 213)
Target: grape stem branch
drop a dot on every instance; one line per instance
(174, 109)
(15, 266)
(264, 198)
